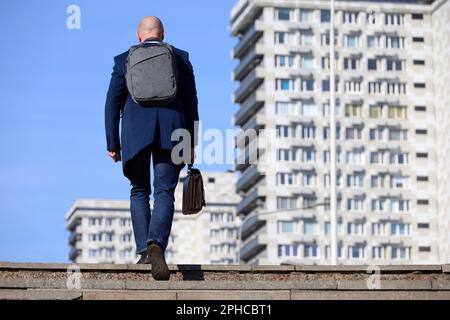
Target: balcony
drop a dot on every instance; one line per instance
(249, 107)
(248, 178)
(248, 85)
(248, 17)
(244, 158)
(74, 237)
(73, 254)
(248, 62)
(250, 201)
(250, 225)
(252, 248)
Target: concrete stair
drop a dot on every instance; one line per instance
(215, 282)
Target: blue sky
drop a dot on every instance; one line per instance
(53, 88)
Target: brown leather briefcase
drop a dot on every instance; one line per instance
(193, 192)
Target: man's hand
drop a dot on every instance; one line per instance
(115, 155)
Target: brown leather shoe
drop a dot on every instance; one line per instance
(155, 254)
(143, 259)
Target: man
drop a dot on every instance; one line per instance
(146, 132)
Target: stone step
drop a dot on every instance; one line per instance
(98, 281)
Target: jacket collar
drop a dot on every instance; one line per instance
(152, 39)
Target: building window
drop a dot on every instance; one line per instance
(421, 131)
(356, 252)
(417, 16)
(397, 112)
(400, 253)
(309, 227)
(355, 228)
(284, 38)
(306, 15)
(307, 61)
(285, 179)
(283, 14)
(399, 229)
(376, 134)
(354, 157)
(378, 205)
(419, 85)
(353, 133)
(350, 17)
(325, 16)
(399, 205)
(355, 180)
(396, 88)
(307, 131)
(374, 87)
(373, 41)
(355, 204)
(378, 229)
(372, 64)
(418, 39)
(326, 85)
(93, 253)
(284, 85)
(422, 155)
(286, 155)
(310, 251)
(308, 155)
(306, 38)
(395, 42)
(285, 226)
(394, 19)
(284, 60)
(284, 131)
(286, 202)
(422, 178)
(393, 65)
(378, 253)
(424, 249)
(351, 40)
(211, 180)
(398, 134)
(352, 86)
(423, 202)
(351, 63)
(283, 108)
(419, 62)
(308, 108)
(399, 182)
(423, 225)
(286, 250)
(353, 110)
(307, 84)
(420, 108)
(308, 179)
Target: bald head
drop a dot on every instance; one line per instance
(150, 26)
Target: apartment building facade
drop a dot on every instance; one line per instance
(101, 230)
(392, 110)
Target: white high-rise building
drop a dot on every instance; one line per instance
(393, 128)
(101, 230)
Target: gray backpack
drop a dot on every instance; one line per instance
(152, 75)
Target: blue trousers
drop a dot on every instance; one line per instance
(152, 226)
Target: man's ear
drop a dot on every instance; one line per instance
(138, 36)
(162, 36)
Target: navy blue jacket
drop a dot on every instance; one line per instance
(141, 125)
